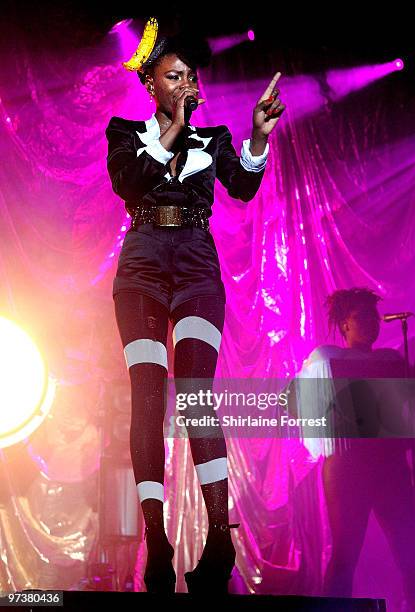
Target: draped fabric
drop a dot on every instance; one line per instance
(335, 209)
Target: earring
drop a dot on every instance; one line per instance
(151, 95)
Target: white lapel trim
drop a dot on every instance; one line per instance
(197, 159)
(152, 133)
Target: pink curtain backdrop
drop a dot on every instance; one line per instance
(336, 209)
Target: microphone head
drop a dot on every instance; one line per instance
(191, 103)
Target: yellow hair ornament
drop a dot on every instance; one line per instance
(145, 47)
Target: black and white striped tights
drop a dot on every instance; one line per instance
(197, 328)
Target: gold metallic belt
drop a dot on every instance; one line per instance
(171, 216)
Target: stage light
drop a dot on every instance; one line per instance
(127, 40)
(26, 391)
(222, 43)
(251, 35)
(343, 81)
(120, 25)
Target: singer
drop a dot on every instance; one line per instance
(164, 169)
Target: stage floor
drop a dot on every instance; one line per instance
(107, 600)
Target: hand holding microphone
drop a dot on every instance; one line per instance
(184, 103)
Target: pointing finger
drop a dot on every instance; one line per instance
(270, 87)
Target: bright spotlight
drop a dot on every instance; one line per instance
(251, 35)
(26, 391)
(120, 25)
(222, 43)
(343, 81)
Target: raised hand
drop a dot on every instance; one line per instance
(268, 109)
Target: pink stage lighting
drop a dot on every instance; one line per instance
(125, 37)
(343, 81)
(222, 43)
(251, 35)
(120, 25)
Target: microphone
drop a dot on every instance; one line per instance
(397, 316)
(191, 103)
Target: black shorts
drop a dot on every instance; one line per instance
(170, 264)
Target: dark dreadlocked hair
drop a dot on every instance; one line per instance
(342, 302)
(192, 49)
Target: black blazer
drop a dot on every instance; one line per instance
(205, 153)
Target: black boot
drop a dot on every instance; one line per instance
(159, 575)
(214, 570)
